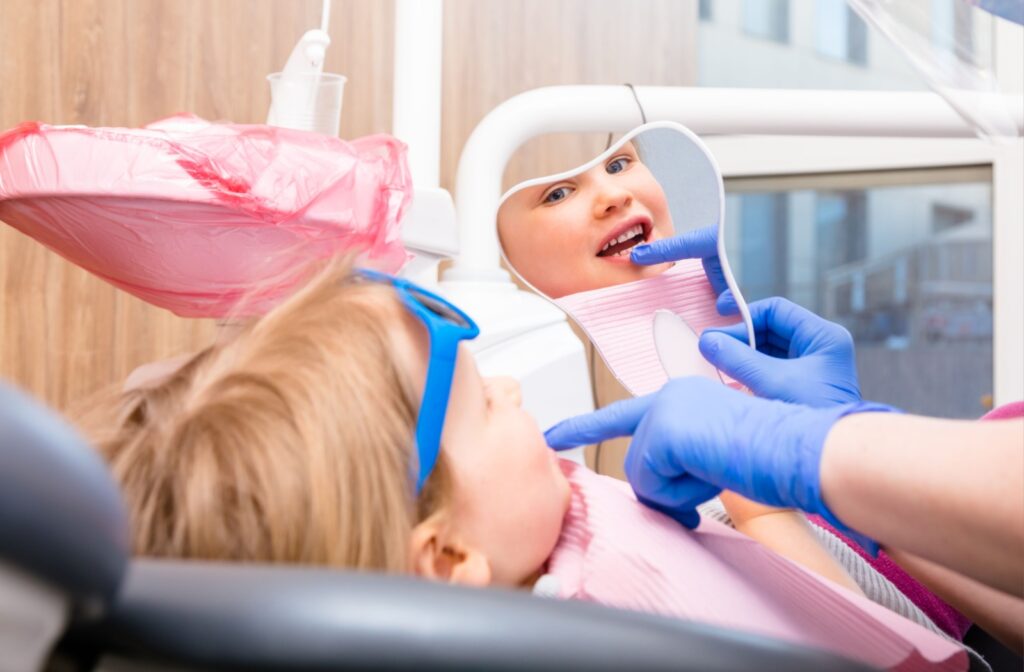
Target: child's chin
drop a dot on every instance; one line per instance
(561, 480)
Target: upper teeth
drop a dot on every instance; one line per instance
(626, 235)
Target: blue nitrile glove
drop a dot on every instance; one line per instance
(697, 244)
(695, 437)
(801, 357)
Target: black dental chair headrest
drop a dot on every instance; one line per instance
(61, 517)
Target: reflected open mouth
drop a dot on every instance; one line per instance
(627, 237)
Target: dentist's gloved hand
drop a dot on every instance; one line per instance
(697, 244)
(694, 438)
(800, 357)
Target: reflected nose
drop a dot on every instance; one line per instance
(610, 199)
(506, 389)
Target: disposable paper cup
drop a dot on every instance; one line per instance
(307, 101)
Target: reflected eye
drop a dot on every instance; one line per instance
(557, 194)
(618, 165)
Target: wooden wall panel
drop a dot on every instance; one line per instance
(64, 333)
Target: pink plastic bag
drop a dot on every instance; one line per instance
(193, 216)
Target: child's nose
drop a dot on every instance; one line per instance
(507, 388)
(610, 199)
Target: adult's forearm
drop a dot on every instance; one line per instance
(949, 491)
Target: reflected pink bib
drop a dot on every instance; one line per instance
(617, 552)
(619, 320)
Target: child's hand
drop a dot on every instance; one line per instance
(788, 533)
(741, 510)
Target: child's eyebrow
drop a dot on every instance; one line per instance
(541, 188)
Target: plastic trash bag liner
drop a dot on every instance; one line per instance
(194, 216)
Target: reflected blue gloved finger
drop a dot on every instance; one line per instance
(614, 420)
(696, 244)
(727, 305)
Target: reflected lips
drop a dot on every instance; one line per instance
(631, 233)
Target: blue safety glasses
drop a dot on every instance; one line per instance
(446, 325)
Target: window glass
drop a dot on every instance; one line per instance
(906, 268)
(705, 10)
(797, 45)
(839, 32)
(768, 19)
(824, 44)
(830, 27)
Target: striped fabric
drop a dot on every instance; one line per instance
(876, 587)
(619, 321)
(617, 552)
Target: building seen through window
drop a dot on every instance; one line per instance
(768, 19)
(839, 32)
(705, 10)
(810, 44)
(907, 269)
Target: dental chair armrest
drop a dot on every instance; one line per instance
(234, 617)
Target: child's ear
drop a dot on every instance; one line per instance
(441, 557)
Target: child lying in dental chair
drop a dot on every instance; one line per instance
(317, 434)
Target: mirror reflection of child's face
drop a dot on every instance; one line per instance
(575, 234)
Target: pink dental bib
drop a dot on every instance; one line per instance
(620, 322)
(617, 552)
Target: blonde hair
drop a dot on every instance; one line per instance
(292, 441)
